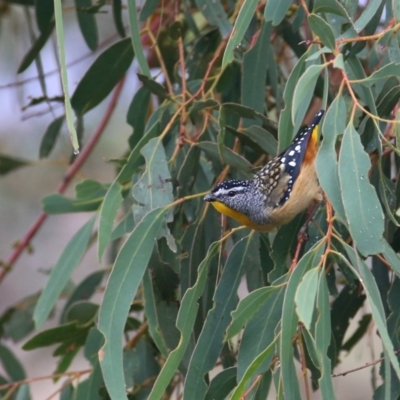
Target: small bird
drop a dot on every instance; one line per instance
(284, 187)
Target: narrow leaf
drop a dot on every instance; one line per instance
(8, 164)
(64, 74)
(323, 30)
(108, 68)
(117, 16)
(210, 341)
(122, 285)
(185, 322)
(50, 137)
(306, 294)
(361, 203)
(87, 23)
(62, 271)
(110, 205)
(136, 40)
(247, 308)
(241, 24)
(251, 370)
(276, 11)
(303, 93)
(215, 14)
(374, 298)
(326, 163)
(36, 48)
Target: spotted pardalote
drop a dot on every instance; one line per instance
(283, 188)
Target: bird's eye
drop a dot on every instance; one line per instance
(231, 193)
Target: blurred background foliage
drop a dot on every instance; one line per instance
(222, 87)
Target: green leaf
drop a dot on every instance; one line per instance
(185, 323)
(50, 137)
(154, 188)
(289, 322)
(303, 93)
(151, 315)
(258, 138)
(330, 6)
(12, 366)
(367, 14)
(306, 294)
(8, 164)
(229, 157)
(210, 341)
(64, 74)
(57, 204)
(252, 369)
(36, 48)
(286, 126)
(326, 163)
(396, 10)
(254, 73)
(360, 201)
(387, 71)
(125, 278)
(136, 39)
(84, 291)
(323, 30)
(108, 211)
(153, 86)
(247, 112)
(323, 335)
(117, 17)
(214, 13)
(374, 298)
(276, 11)
(201, 105)
(62, 271)
(137, 114)
(60, 334)
(391, 256)
(44, 12)
(108, 69)
(148, 8)
(87, 23)
(246, 309)
(222, 384)
(242, 22)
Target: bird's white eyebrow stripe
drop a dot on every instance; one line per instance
(223, 190)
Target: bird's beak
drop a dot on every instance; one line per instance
(210, 197)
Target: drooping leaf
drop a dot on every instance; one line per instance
(326, 163)
(8, 164)
(242, 23)
(122, 285)
(50, 137)
(117, 16)
(37, 47)
(305, 296)
(215, 14)
(108, 69)
(209, 344)
(87, 23)
(185, 322)
(361, 204)
(322, 29)
(62, 271)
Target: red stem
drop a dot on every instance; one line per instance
(71, 172)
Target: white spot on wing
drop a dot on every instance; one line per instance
(292, 163)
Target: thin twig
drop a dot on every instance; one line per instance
(44, 378)
(370, 364)
(71, 172)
